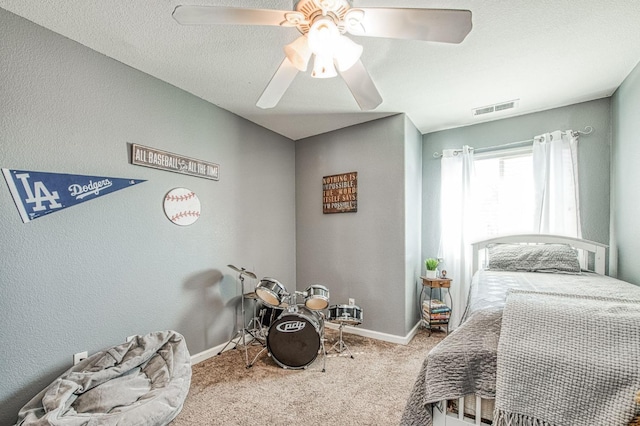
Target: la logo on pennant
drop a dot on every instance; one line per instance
(40, 193)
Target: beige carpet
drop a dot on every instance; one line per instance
(370, 389)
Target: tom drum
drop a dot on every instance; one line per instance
(317, 297)
(271, 292)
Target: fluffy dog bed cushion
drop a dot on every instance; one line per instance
(142, 382)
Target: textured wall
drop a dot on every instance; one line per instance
(593, 159)
(625, 179)
(86, 277)
(359, 255)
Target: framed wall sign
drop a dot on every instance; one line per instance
(340, 193)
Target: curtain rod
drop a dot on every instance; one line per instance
(587, 131)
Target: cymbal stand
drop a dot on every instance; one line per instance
(242, 333)
(257, 332)
(340, 346)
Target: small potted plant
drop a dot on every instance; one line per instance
(431, 264)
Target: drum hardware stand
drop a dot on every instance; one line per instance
(257, 332)
(243, 332)
(324, 353)
(340, 346)
(289, 309)
(253, 361)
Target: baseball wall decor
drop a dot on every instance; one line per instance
(163, 160)
(182, 206)
(37, 194)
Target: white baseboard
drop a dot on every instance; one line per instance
(211, 352)
(392, 338)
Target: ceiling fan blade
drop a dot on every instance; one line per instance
(440, 25)
(361, 86)
(207, 15)
(279, 84)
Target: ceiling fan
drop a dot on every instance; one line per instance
(323, 25)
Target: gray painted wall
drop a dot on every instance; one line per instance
(593, 159)
(413, 222)
(88, 276)
(359, 255)
(625, 179)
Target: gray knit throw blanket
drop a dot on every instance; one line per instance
(567, 360)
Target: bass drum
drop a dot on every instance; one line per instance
(294, 339)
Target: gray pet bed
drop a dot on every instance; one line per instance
(142, 382)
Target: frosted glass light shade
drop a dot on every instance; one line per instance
(298, 53)
(347, 53)
(323, 36)
(323, 67)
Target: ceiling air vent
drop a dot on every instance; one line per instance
(483, 110)
(495, 108)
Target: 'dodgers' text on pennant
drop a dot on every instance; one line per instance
(37, 194)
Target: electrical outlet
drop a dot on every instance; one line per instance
(80, 356)
(352, 301)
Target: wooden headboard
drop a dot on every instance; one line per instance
(585, 248)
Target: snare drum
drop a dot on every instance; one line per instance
(271, 292)
(348, 314)
(317, 297)
(293, 340)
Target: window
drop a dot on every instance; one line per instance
(503, 193)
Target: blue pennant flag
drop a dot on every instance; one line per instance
(37, 194)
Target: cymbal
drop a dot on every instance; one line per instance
(243, 271)
(251, 295)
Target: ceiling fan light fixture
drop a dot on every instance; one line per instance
(323, 67)
(323, 37)
(347, 53)
(298, 53)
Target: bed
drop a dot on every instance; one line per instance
(543, 341)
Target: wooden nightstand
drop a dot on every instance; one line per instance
(435, 313)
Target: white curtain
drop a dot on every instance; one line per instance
(555, 170)
(456, 213)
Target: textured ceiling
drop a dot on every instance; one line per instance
(546, 53)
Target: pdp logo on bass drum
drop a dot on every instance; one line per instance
(291, 326)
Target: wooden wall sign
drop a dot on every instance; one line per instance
(340, 193)
(163, 160)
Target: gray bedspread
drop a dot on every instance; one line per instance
(465, 362)
(143, 382)
(581, 359)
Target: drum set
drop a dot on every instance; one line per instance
(292, 332)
